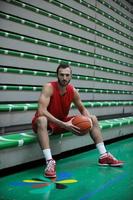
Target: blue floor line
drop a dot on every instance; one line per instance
(104, 186)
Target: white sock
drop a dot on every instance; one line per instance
(47, 154)
(101, 148)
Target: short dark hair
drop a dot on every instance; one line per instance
(64, 66)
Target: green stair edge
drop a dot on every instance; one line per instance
(27, 137)
(32, 106)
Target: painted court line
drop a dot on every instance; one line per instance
(104, 186)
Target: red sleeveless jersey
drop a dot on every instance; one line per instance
(59, 105)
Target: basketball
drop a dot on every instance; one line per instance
(84, 123)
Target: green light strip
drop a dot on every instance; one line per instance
(96, 9)
(59, 60)
(81, 14)
(60, 46)
(123, 6)
(70, 22)
(116, 122)
(106, 91)
(95, 67)
(53, 74)
(80, 90)
(115, 10)
(33, 106)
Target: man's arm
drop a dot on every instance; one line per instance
(78, 103)
(44, 99)
(43, 103)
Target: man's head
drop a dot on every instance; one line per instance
(64, 74)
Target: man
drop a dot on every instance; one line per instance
(52, 116)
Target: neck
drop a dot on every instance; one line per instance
(62, 89)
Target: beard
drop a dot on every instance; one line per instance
(63, 83)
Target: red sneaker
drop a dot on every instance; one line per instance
(109, 159)
(50, 170)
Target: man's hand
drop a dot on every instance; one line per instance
(70, 127)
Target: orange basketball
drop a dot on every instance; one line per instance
(84, 123)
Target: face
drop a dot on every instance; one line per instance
(64, 76)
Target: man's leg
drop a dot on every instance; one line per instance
(43, 137)
(105, 157)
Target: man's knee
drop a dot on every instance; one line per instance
(94, 119)
(42, 121)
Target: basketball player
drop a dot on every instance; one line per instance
(52, 118)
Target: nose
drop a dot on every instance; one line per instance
(64, 77)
